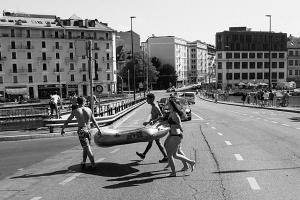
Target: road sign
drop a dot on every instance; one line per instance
(99, 88)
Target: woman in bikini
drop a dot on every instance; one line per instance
(172, 143)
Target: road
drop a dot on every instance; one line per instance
(240, 153)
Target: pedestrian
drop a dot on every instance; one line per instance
(173, 141)
(243, 97)
(73, 101)
(84, 116)
(155, 116)
(54, 100)
(271, 98)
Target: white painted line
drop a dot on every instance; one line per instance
(100, 160)
(114, 151)
(253, 184)
(213, 127)
(207, 123)
(20, 169)
(70, 178)
(274, 122)
(298, 128)
(220, 134)
(200, 118)
(36, 198)
(285, 125)
(228, 143)
(238, 157)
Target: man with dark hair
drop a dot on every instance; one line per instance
(54, 100)
(84, 117)
(155, 116)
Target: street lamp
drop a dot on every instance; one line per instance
(270, 86)
(132, 59)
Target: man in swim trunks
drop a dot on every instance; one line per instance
(84, 117)
(155, 116)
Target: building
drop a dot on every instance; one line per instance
(293, 68)
(243, 56)
(40, 54)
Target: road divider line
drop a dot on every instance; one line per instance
(70, 178)
(228, 143)
(36, 198)
(200, 118)
(220, 134)
(285, 125)
(298, 128)
(100, 160)
(238, 157)
(253, 183)
(213, 127)
(274, 122)
(114, 151)
(207, 123)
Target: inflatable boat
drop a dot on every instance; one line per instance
(112, 137)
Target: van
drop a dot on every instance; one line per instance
(189, 96)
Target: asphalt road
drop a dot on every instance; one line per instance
(240, 153)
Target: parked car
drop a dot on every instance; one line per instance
(189, 96)
(184, 105)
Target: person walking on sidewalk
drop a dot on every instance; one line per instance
(155, 116)
(54, 99)
(84, 117)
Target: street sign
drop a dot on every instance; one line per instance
(99, 88)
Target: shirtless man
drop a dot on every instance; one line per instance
(155, 116)
(84, 117)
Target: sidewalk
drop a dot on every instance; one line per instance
(284, 109)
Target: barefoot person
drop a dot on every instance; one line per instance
(84, 117)
(155, 116)
(172, 143)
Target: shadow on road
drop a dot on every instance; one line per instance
(44, 174)
(295, 119)
(254, 170)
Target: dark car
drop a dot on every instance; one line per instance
(184, 105)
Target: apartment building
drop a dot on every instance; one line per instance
(242, 55)
(40, 54)
(293, 68)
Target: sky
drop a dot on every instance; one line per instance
(187, 19)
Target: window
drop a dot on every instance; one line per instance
(28, 55)
(107, 66)
(252, 65)
(281, 75)
(259, 75)
(69, 34)
(237, 55)
(244, 55)
(251, 76)
(107, 45)
(281, 64)
(29, 67)
(107, 56)
(259, 65)
(44, 56)
(83, 67)
(274, 75)
(96, 46)
(57, 67)
(56, 34)
(28, 33)
(266, 55)
(106, 36)
(266, 65)
(237, 76)
(251, 55)
(84, 77)
(274, 55)
(228, 65)
(244, 65)
(290, 72)
(291, 62)
(82, 35)
(44, 67)
(96, 55)
(219, 65)
(71, 66)
(30, 79)
(28, 45)
(13, 45)
(220, 76)
(274, 64)
(13, 55)
(266, 75)
(1, 68)
(12, 33)
(229, 76)
(281, 55)
(219, 55)
(71, 56)
(228, 55)
(291, 53)
(72, 77)
(43, 44)
(1, 80)
(71, 45)
(296, 62)
(259, 55)
(108, 77)
(45, 79)
(58, 78)
(244, 75)
(15, 68)
(237, 65)
(43, 34)
(56, 45)
(15, 79)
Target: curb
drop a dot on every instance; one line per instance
(250, 106)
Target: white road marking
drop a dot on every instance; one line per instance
(220, 134)
(238, 157)
(285, 125)
(20, 169)
(253, 184)
(228, 143)
(36, 198)
(298, 128)
(207, 123)
(213, 127)
(200, 118)
(100, 160)
(114, 151)
(70, 178)
(119, 123)
(274, 122)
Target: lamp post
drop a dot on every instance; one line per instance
(270, 85)
(132, 59)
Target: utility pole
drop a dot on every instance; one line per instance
(270, 85)
(128, 82)
(91, 74)
(132, 58)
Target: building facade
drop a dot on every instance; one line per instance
(40, 54)
(242, 55)
(293, 62)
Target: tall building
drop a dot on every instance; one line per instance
(40, 54)
(293, 68)
(243, 56)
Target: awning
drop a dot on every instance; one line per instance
(16, 91)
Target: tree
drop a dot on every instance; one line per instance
(156, 62)
(167, 76)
